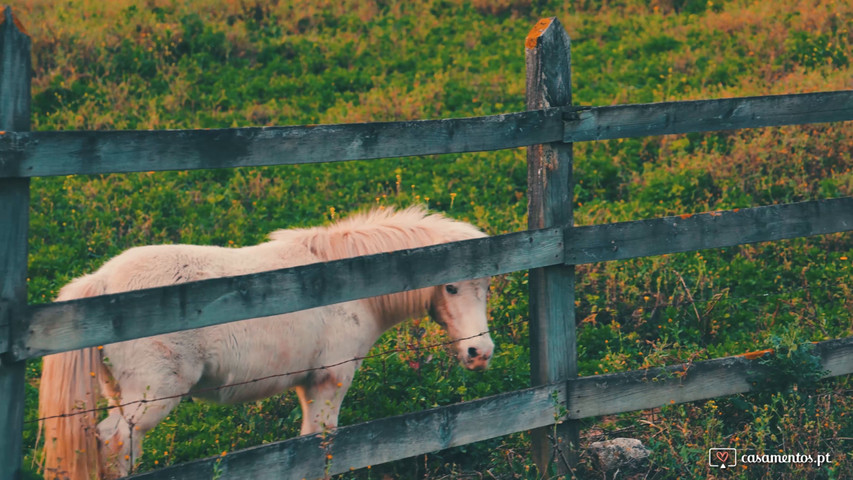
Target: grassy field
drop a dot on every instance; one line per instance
(227, 63)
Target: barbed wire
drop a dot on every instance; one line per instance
(717, 298)
(721, 295)
(385, 353)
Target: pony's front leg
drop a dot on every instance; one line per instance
(149, 377)
(321, 399)
(120, 434)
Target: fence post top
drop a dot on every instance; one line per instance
(13, 20)
(542, 27)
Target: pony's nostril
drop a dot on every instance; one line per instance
(472, 352)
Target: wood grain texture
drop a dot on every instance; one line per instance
(97, 320)
(617, 241)
(380, 441)
(79, 152)
(553, 355)
(622, 121)
(15, 69)
(549, 193)
(112, 318)
(5, 327)
(643, 389)
(29, 154)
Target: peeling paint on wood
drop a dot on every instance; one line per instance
(553, 355)
(641, 120)
(31, 154)
(94, 152)
(654, 387)
(380, 441)
(105, 319)
(618, 241)
(14, 222)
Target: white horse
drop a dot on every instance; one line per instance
(147, 377)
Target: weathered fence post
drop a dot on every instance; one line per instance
(549, 189)
(15, 66)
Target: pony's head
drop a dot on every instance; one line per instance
(460, 307)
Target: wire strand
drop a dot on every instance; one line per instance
(723, 298)
(268, 377)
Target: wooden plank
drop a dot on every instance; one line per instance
(15, 70)
(87, 322)
(380, 441)
(5, 326)
(29, 154)
(73, 152)
(553, 355)
(112, 318)
(617, 241)
(643, 389)
(622, 121)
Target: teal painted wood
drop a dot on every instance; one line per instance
(622, 121)
(112, 318)
(380, 441)
(618, 241)
(553, 355)
(92, 152)
(14, 221)
(654, 387)
(30, 154)
(92, 321)
(402, 436)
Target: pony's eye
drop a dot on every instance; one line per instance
(451, 289)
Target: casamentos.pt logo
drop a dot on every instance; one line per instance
(728, 457)
(722, 457)
(785, 458)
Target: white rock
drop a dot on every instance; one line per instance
(628, 455)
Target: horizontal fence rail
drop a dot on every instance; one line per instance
(94, 321)
(380, 441)
(622, 121)
(403, 436)
(32, 154)
(684, 233)
(94, 152)
(112, 318)
(654, 387)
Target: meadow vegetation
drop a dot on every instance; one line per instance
(160, 64)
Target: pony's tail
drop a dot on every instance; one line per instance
(68, 395)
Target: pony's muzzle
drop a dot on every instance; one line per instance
(475, 358)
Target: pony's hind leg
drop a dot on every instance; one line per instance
(321, 398)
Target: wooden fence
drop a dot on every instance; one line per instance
(550, 248)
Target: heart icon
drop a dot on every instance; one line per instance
(722, 456)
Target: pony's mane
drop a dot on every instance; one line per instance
(379, 231)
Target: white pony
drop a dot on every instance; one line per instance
(147, 377)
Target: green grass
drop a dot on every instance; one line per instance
(220, 63)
